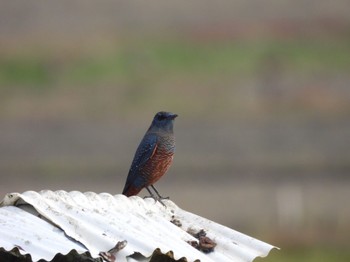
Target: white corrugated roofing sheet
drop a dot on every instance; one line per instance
(45, 223)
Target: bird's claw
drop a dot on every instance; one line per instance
(159, 199)
(167, 198)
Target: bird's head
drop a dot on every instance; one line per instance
(163, 120)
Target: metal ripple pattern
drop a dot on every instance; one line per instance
(46, 223)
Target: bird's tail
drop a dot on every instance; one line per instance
(131, 190)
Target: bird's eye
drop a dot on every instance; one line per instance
(161, 117)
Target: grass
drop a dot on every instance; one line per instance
(24, 70)
(144, 59)
(313, 254)
(200, 77)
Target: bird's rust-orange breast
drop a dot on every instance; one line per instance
(157, 165)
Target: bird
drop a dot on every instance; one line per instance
(153, 156)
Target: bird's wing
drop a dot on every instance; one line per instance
(143, 153)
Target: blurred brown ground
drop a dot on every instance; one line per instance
(266, 151)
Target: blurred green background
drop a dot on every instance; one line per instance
(261, 89)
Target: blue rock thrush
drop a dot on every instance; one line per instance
(153, 157)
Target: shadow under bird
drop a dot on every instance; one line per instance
(153, 156)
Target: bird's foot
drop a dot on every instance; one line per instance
(149, 197)
(156, 196)
(167, 198)
(159, 199)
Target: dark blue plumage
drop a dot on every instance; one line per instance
(153, 156)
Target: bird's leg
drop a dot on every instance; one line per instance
(156, 198)
(160, 197)
(151, 194)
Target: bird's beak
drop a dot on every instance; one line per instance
(173, 116)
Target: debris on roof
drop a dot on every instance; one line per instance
(115, 228)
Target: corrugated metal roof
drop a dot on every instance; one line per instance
(45, 223)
